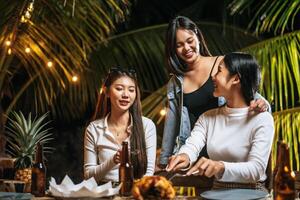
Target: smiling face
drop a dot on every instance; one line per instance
(187, 45)
(223, 81)
(122, 93)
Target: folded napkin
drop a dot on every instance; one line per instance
(87, 188)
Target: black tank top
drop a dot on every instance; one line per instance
(200, 100)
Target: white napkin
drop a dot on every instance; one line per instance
(87, 188)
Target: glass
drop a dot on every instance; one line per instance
(125, 171)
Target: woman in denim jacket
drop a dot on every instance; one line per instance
(190, 89)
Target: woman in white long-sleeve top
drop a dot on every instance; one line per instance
(119, 118)
(238, 140)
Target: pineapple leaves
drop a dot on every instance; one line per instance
(24, 134)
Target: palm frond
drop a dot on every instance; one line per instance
(279, 60)
(68, 47)
(278, 16)
(287, 129)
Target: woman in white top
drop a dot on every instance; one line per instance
(238, 140)
(119, 118)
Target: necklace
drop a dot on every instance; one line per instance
(116, 130)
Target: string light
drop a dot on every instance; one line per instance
(8, 43)
(27, 15)
(9, 51)
(23, 20)
(49, 64)
(27, 50)
(163, 112)
(74, 78)
(28, 12)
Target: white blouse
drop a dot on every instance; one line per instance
(242, 140)
(100, 146)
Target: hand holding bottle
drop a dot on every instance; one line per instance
(117, 157)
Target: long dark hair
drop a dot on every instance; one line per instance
(137, 137)
(248, 70)
(177, 65)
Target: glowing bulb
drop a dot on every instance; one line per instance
(9, 51)
(163, 112)
(293, 174)
(286, 169)
(30, 7)
(49, 64)
(27, 15)
(74, 78)
(23, 20)
(27, 50)
(8, 43)
(101, 91)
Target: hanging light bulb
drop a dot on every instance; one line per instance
(27, 50)
(8, 43)
(27, 14)
(49, 64)
(30, 7)
(74, 78)
(163, 112)
(23, 20)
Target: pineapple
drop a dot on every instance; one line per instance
(22, 136)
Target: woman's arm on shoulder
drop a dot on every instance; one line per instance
(260, 104)
(150, 138)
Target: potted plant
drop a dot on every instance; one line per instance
(23, 135)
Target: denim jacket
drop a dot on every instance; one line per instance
(177, 126)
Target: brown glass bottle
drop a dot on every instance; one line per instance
(125, 171)
(284, 182)
(276, 167)
(38, 176)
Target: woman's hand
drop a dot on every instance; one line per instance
(117, 157)
(258, 105)
(177, 162)
(207, 167)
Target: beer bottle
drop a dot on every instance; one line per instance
(125, 171)
(284, 183)
(276, 167)
(38, 174)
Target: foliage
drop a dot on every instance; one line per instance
(287, 129)
(278, 16)
(23, 135)
(83, 22)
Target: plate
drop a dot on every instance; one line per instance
(234, 194)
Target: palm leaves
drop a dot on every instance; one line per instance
(24, 134)
(269, 15)
(83, 22)
(279, 59)
(287, 128)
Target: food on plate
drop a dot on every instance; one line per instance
(153, 186)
